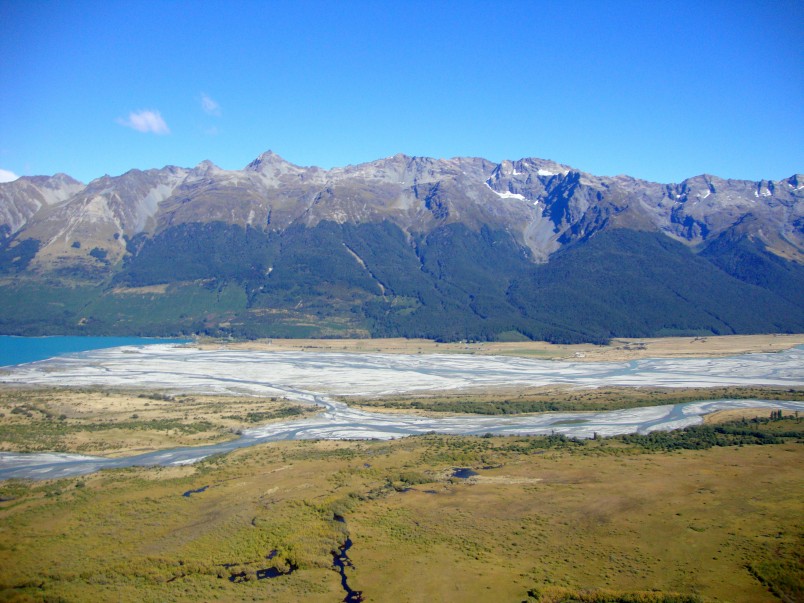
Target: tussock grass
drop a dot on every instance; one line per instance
(552, 399)
(117, 422)
(547, 519)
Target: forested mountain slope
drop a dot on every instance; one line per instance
(405, 246)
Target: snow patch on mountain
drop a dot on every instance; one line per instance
(507, 194)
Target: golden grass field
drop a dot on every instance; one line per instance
(560, 520)
(617, 350)
(514, 400)
(123, 423)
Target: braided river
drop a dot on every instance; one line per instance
(316, 377)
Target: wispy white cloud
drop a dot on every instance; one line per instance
(7, 176)
(210, 105)
(145, 121)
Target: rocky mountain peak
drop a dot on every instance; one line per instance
(272, 170)
(544, 168)
(61, 180)
(56, 181)
(205, 168)
(268, 160)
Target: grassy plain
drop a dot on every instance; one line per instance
(546, 519)
(617, 350)
(504, 401)
(122, 423)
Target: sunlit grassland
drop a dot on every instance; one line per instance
(545, 516)
(616, 351)
(565, 398)
(117, 422)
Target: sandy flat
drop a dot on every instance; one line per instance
(301, 376)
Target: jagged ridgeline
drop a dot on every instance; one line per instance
(405, 246)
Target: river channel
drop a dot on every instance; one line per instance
(314, 377)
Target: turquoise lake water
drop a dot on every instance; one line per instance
(19, 350)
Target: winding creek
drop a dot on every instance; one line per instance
(340, 561)
(314, 377)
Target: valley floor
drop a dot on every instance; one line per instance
(706, 515)
(121, 423)
(544, 519)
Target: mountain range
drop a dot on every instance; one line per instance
(460, 248)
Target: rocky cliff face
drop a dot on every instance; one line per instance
(97, 216)
(21, 199)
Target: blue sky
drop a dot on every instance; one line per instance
(657, 90)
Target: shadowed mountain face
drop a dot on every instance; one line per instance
(453, 249)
